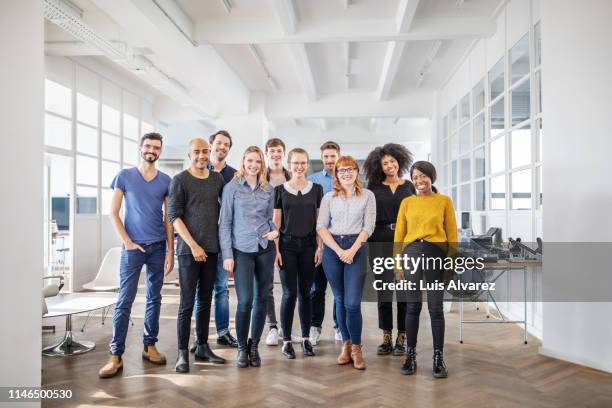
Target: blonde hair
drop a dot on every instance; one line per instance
(338, 189)
(262, 178)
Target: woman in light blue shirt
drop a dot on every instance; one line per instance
(245, 232)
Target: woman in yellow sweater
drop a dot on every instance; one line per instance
(426, 225)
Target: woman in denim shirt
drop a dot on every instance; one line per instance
(245, 232)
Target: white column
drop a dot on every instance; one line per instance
(577, 104)
(21, 175)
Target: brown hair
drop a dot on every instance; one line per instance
(262, 176)
(330, 145)
(151, 136)
(225, 133)
(338, 189)
(274, 142)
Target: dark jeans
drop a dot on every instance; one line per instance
(317, 298)
(346, 281)
(383, 234)
(252, 278)
(131, 264)
(434, 297)
(201, 276)
(296, 277)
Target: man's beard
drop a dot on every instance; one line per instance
(144, 157)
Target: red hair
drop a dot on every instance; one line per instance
(338, 189)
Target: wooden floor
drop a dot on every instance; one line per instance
(493, 368)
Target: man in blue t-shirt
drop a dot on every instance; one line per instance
(148, 239)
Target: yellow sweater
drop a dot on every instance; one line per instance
(430, 218)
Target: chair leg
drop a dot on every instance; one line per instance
(86, 320)
(105, 313)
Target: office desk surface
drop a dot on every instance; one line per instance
(73, 303)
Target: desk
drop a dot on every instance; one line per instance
(498, 269)
(67, 304)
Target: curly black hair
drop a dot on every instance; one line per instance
(373, 167)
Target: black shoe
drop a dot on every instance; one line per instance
(204, 353)
(307, 348)
(386, 347)
(439, 368)
(243, 357)
(400, 344)
(288, 350)
(192, 349)
(227, 340)
(254, 358)
(182, 361)
(410, 364)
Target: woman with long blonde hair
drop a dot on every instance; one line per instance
(346, 219)
(245, 231)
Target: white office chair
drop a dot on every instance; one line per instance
(106, 280)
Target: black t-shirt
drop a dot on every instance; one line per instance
(387, 202)
(299, 208)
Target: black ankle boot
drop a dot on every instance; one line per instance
(386, 347)
(439, 368)
(243, 357)
(254, 353)
(288, 350)
(182, 361)
(400, 344)
(307, 348)
(204, 353)
(192, 349)
(410, 365)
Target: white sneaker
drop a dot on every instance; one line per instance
(337, 335)
(315, 335)
(272, 339)
(294, 338)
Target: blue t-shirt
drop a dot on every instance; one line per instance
(144, 200)
(323, 178)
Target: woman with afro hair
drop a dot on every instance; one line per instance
(384, 168)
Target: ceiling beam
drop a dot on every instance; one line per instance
(431, 55)
(405, 14)
(179, 19)
(391, 64)
(240, 31)
(288, 21)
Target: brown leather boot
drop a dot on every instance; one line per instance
(345, 355)
(112, 367)
(357, 357)
(150, 353)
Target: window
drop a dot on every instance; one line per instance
(479, 162)
(87, 140)
(539, 138)
(86, 170)
(130, 152)
(452, 121)
(444, 175)
(146, 128)
(521, 190)
(87, 200)
(454, 196)
(539, 184)
(496, 79)
(464, 110)
(58, 98)
(521, 103)
(479, 129)
(87, 110)
(479, 195)
(478, 96)
(444, 127)
(454, 146)
(464, 139)
(465, 168)
(107, 198)
(444, 150)
(111, 120)
(519, 59)
(520, 141)
(130, 127)
(538, 44)
(538, 85)
(454, 172)
(466, 193)
(109, 171)
(111, 147)
(498, 155)
(497, 118)
(58, 132)
(498, 192)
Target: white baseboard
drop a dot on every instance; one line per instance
(560, 355)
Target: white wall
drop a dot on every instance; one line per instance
(577, 56)
(21, 172)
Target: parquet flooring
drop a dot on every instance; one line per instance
(493, 368)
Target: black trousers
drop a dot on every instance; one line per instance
(192, 275)
(434, 297)
(317, 296)
(297, 275)
(384, 235)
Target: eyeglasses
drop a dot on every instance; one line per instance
(345, 170)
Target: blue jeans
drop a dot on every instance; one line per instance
(131, 264)
(346, 281)
(221, 292)
(253, 272)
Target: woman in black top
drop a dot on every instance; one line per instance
(295, 215)
(384, 168)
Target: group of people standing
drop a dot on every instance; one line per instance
(258, 219)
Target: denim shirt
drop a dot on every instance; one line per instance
(323, 178)
(246, 215)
